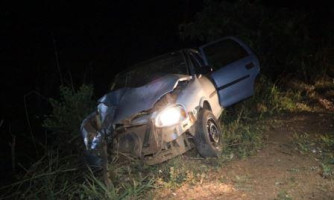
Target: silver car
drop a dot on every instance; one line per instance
(162, 107)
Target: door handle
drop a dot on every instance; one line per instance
(250, 65)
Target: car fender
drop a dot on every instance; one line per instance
(202, 101)
(210, 96)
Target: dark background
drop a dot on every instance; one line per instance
(94, 40)
(45, 43)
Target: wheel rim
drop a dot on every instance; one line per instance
(213, 130)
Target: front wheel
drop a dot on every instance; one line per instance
(208, 136)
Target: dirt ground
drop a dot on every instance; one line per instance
(278, 171)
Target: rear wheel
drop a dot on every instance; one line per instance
(208, 136)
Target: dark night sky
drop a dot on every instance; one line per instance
(87, 35)
(93, 41)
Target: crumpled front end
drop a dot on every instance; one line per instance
(145, 131)
(151, 143)
(94, 133)
(140, 138)
(92, 140)
(165, 143)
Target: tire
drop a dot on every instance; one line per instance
(208, 135)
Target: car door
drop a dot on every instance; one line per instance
(235, 68)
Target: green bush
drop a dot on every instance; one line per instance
(270, 98)
(67, 114)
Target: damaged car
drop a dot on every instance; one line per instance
(163, 107)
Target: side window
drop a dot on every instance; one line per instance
(198, 63)
(199, 59)
(195, 63)
(224, 52)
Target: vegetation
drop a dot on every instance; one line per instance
(285, 45)
(67, 115)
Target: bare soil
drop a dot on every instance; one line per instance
(278, 171)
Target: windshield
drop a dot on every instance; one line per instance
(147, 71)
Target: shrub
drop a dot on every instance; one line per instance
(67, 114)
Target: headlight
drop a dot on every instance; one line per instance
(170, 116)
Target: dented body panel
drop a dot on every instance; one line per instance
(157, 121)
(129, 101)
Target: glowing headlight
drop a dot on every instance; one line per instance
(170, 116)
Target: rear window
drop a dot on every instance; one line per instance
(224, 52)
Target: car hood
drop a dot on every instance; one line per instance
(125, 102)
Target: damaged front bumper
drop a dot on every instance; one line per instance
(94, 137)
(143, 140)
